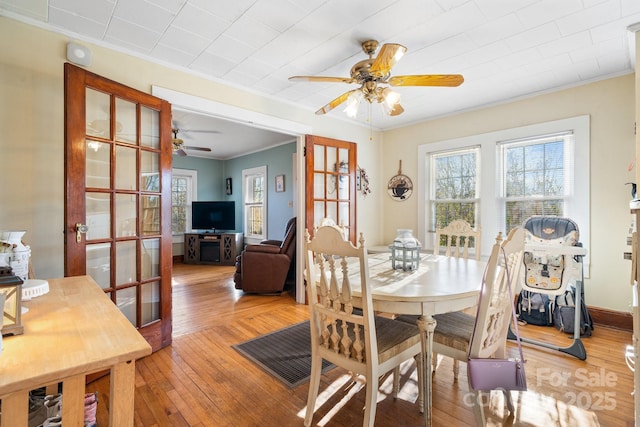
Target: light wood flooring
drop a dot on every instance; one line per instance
(201, 381)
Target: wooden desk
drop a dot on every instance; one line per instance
(440, 285)
(72, 331)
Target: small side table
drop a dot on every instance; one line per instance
(72, 331)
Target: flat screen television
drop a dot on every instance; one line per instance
(213, 215)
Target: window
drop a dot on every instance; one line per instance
(541, 169)
(255, 201)
(533, 177)
(183, 191)
(454, 193)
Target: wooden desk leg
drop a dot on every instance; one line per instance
(15, 409)
(122, 394)
(427, 324)
(73, 400)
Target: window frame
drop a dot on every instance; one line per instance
(433, 200)
(246, 173)
(578, 209)
(192, 195)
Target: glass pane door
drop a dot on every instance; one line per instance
(118, 198)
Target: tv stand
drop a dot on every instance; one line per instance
(211, 247)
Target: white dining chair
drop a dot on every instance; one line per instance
(351, 338)
(462, 336)
(457, 236)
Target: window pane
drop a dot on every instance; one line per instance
(254, 219)
(150, 258)
(534, 179)
(455, 186)
(150, 127)
(125, 121)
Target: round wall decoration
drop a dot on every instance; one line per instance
(400, 186)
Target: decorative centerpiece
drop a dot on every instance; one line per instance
(405, 251)
(14, 253)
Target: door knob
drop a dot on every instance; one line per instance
(80, 228)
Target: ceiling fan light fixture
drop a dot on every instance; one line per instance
(353, 101)
(390, 97)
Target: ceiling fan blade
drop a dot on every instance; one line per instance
(180, 152)
(321, 79)
(427, 80)
(199, 131)
(333, 104)
(190, 147)
(389, 55)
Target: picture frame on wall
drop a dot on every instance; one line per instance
(279, 183)
(229, 186)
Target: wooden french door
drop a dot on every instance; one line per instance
(331, 168)
(118, 197)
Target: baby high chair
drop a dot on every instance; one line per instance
(553, 260)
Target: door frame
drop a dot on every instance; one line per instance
(259, 120)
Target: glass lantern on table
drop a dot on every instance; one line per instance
(405, 251)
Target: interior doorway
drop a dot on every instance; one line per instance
(263, 121)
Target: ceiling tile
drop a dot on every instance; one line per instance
(584, 19)
(230, 48)
(199, 21)
(99, 11)
(143, 14)
(187, 41)
(251, 32)
(143, 38)
(76, 24)
(36, 9)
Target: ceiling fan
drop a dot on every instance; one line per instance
(373, 75)
(179, 147)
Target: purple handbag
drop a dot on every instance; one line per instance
(499, 374)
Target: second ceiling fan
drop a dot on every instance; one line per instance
(179, 147)
(373, 75)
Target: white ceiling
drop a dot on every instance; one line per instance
(505, 49)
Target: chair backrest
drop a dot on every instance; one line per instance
(330, 269)
(495, 304)
(550, 271)
(546, 228)
(458, 235)
(289, 242)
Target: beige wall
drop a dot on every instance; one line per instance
(32, 148)
(610, 105)
(32, 132)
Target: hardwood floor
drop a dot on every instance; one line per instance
(201, 381)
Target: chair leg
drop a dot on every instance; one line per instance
(509, 401)
(434, 362)
(314, 385)
(456, 368)
(478, 408)
(370, 401)
(421, 379)
(396, 382)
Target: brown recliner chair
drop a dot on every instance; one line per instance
(268, 266)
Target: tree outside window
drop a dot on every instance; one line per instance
(534, 178)
(455, 187)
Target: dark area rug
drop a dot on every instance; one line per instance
(285, 354)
